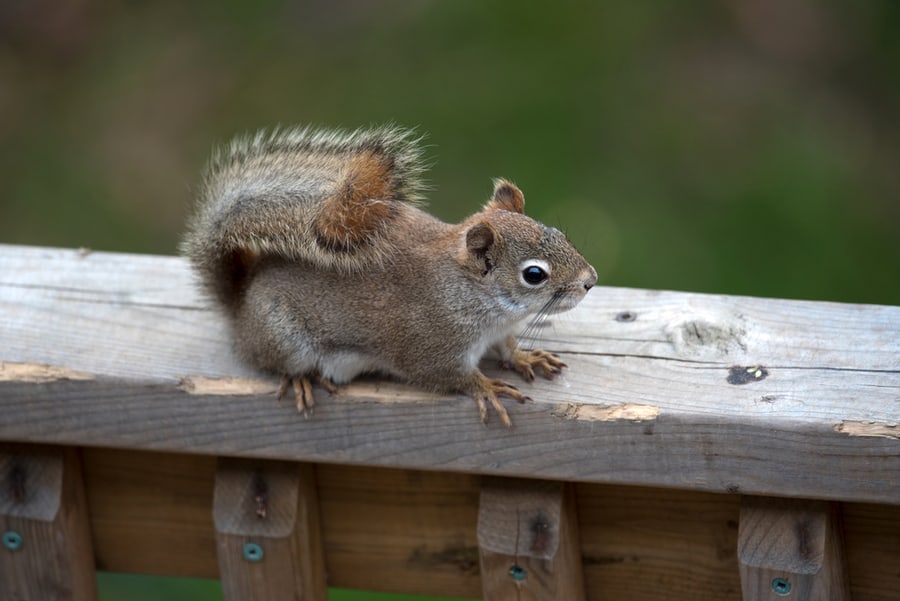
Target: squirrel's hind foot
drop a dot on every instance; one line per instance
(525, 362)
(303, 391)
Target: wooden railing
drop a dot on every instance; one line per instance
(698, 447)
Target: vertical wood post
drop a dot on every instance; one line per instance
(46, 552)
(528, 540)
(791, 550)
(268, 537)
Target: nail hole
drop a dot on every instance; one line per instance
(626, 316)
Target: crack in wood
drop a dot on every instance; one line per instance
(227, 386)
(604, 413)
(38, 372)
(868, 429)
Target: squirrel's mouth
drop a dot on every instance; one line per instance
(564, 300)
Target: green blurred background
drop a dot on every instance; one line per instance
(729, 146)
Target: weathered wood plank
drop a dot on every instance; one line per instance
(388, 425)
(714, 393)
(142, 289)
(46, 552)
(415, 532)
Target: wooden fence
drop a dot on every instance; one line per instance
(699, 447)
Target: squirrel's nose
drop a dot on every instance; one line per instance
(590, 278)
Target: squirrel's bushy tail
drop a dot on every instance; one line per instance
(321, 196)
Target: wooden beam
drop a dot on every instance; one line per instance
(267, 531)
(791, 549)
(46, 548)
(528, 539)
(722, 394)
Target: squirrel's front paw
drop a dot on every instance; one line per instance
(488, 390)
(525, 362)
(303, 392)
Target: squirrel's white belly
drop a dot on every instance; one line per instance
(492, 338)
(341, 367)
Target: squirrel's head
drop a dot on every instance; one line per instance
(533, 267)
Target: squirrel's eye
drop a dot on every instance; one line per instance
(534, 275)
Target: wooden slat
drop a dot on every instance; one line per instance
(267, 531)
(528, 539)
(415, 532)
(400, 530)
(643, 544)
(872, 546)
(151, 513)
(722, 394)
(47, 552)
(791, 548)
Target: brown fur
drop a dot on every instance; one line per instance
(360, 207)
(313, 244)
(507, 197)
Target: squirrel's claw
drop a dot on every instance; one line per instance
(303, 393)
(490, 391)
(282, 388)
(525, 362)
(328, 384)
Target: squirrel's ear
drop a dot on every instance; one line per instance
(481, 239)
(507, 197)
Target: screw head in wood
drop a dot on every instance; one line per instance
(12, 540)
(781, 587)
(518, 573)
(253, 552)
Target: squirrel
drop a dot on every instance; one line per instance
(315, 245)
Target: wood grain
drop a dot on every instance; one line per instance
(692, 391)
(871, 536)
(42, 501)
(671, 400)
(272, 506)
(400, 530)
(415, 532)
(528, 540)
(152, 513)
(643, 543)
(791, 548)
